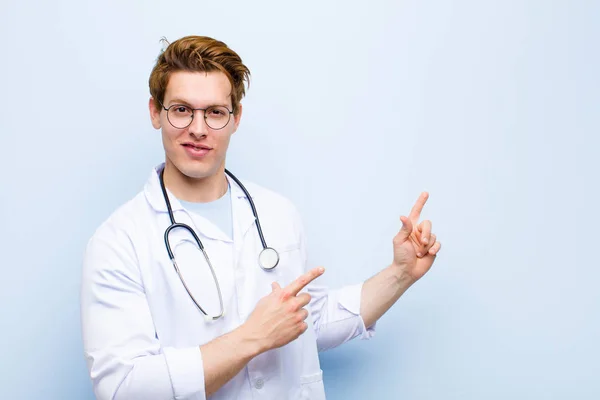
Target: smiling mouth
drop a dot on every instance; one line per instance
(196, 151)
(192, 146)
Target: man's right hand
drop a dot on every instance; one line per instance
(279, 317)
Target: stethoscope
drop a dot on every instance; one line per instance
(267, 259)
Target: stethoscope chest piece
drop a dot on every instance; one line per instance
(268, 258)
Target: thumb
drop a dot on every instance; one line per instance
(275, 286)
(405, 231)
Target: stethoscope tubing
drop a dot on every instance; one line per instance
(175, 225)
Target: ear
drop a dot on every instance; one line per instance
(154, 113)
(237, 117)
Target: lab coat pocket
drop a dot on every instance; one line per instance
(312, 387)
(286, 248)
(289, 266)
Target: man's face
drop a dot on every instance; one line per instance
(197, 151)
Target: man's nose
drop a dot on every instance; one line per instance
(198, 126)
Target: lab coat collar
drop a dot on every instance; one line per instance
(153, 192)
(154, 195)
(241, 211)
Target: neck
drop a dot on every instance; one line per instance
(197, 190)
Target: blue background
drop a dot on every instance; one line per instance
(354, 109)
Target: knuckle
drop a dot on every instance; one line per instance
(292, 307)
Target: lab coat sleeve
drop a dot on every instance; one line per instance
(123, 354)
(335, 312)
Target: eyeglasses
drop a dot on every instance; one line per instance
(181, 116)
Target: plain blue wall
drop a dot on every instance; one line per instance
(354, 108)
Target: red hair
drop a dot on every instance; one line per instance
(199, 54)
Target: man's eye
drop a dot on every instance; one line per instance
(216, 112)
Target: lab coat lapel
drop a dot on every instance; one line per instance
(243, 219)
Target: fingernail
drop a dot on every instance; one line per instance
(419, 254)
(424, 240)
(321, 269)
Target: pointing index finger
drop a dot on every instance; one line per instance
(297, 285)
(415, 213)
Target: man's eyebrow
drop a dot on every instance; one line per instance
(177, 100)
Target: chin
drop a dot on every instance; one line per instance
(198, 172)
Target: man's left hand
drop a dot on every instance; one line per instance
(415, 247)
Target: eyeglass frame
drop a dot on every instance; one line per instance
(194, 113)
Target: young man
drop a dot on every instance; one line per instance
(179, 297)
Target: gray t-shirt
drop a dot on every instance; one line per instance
(218, 212)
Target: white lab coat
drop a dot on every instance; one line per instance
(142, 332)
